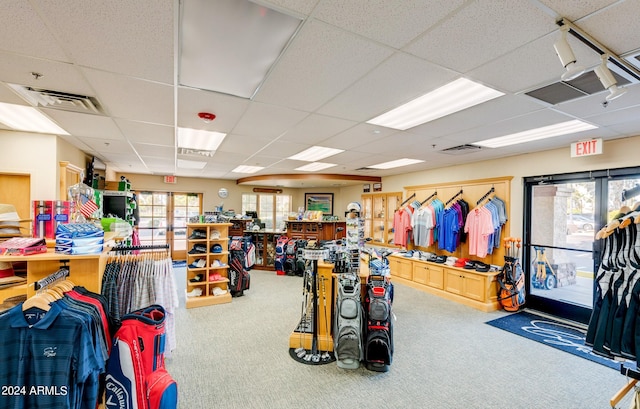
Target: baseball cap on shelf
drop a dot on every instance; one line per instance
(10, 221)
(199, 263)
(215, 277)
(198, 234)
(198, 249)
(460, 262)
(6, 269)
(216, 248)
(215, 234)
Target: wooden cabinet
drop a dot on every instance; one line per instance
(265, 247)
(428, 274)
(466, 284)
(378, 210)
(238, 226)
(308, 230)
(208, 263)
(401, 267)
(469, 287)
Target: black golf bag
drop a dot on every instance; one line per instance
(290, 252)
(378, 340)
(239, 278)
(348, 325)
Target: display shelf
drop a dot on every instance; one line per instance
(377, 211)
(206, 268)
(265, 245)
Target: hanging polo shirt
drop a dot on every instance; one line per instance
(46, 358)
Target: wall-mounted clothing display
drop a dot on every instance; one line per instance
(484, 225)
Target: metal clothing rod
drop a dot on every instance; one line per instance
(493, 189)
(456, 195)
(62, 273)
(434, 194)
(407, 199)
(149, 247)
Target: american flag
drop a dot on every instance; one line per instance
(88, 206)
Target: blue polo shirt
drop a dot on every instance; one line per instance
(47, 357)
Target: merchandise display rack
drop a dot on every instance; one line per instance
(205, 285)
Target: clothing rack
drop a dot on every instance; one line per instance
(62, 273)
(629, 373)
(148, 247)
(407, 199)
(434, 194)
(493, 189)
(454, 196)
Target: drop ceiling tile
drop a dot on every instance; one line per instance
(133, 98)
(592, 105)
(265, 120)
(109, 146)
(143, 132)
(85, 125)
(610, 117)
(577, 9)
(144, 149)
(248, 145)
(284, 149)
(227, 108)
(127, 37)
(316, 128)
(615, 27)
(397, 80)
(384, 21)
(297, 6)
(57, 76)
(481, 32)
(23, 32)
(357, 135)
(321, 62)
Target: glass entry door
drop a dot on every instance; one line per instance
(164, 217)
(560, 254)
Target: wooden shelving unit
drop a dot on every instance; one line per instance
(207, 242)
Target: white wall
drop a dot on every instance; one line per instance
(32, 154)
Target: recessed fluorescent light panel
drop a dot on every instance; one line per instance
(28, 119)
(453, 97)
(563, 128)
(229, 46)
(191, 164)
(396, 163)
(247, 169)
(315, 153)
(315, 166)
(198, 139)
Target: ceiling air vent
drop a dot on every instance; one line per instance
(58, 100)
(563, 91)
(195, 152)
(365, 169)
(461, 149)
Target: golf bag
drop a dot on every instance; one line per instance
(300, 261)
(511, 281)
(290, 252)
(136, 377)
(348, 323)
(378, 341)
(281, 257)
(239, 278)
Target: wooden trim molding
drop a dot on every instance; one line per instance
(278, 179)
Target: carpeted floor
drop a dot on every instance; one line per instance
(566, 337)
(236, 356)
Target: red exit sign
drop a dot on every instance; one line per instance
(586, 148)
(170, 179)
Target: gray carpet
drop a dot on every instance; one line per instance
(236, 356)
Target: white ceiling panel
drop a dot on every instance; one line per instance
(316, 128)
(85, 125)
(321, 62)
(127, 37)
(265, 120)
(227, 108)
(358, 135)
(107, 146)
(569, 10)
(468, 39)
(243, 144)
(144, 149)
(397, 80)
(613, 24)
(16, 16)
(385, 21)
(142, 132)
(133, 98)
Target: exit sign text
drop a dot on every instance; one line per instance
(170, 179)
(586, 148)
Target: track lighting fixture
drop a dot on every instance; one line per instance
(567, 58)
(608, 80)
